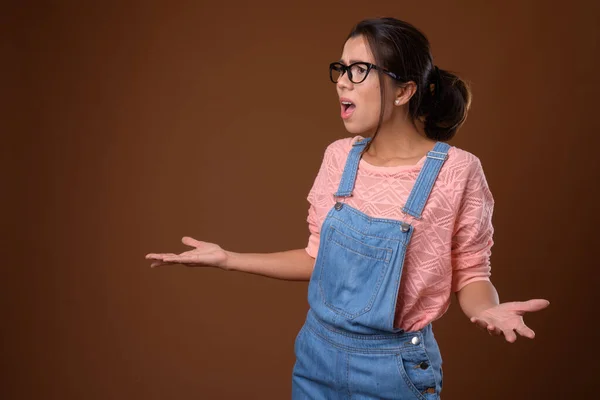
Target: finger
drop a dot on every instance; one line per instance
(509, 335)
(480, 322)
(524, 330)
(532, 305)
(158, 256)
(188, 241)
(173, 259)
(494, 331)
(157, 264)
(181, 259)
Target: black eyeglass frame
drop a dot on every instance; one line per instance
(369, 67)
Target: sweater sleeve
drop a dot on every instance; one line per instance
(317, 197)
(473, 233)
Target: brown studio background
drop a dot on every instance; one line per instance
(131, 124)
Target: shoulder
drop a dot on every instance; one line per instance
(339, 149)
(462, 161)
(464, 172)
(461, 167)
(342, 146)
(461, 158)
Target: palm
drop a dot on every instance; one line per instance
(203, 254)
(507, 318)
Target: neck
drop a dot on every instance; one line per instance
(400, 138)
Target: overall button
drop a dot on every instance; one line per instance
(404, 227)
(338, 206)
(423, 365)
(415, 340)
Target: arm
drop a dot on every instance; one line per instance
(292, 265)
(471, 245)
(286, 265)
(472, 242)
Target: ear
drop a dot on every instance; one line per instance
(404, 93)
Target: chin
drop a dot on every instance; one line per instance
(358, 129)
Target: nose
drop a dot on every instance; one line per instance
(344, 81)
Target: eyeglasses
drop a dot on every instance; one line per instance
(357, 72)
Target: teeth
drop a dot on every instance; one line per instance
(346, 103)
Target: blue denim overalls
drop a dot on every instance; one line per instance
(348, 347)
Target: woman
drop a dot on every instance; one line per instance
(398, 219)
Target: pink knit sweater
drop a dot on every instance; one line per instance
(451, 244)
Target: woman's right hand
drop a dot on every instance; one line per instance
(204, 254)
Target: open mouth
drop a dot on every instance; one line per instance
(347, 105)
(347, 108)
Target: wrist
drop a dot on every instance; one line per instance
(229, 264)
(475, 310)
(476, 297)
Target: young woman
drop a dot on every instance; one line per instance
(398, 220)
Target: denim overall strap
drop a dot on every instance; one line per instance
(349, 176)
(424, 183)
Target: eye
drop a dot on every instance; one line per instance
(359, 69)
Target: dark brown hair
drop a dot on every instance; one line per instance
(442, 99)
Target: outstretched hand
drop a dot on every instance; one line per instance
(507, 318)
(203, 254)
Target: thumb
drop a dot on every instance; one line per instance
(188, 241)
(533, 305)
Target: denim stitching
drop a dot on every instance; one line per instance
(370, 219)
(374, 337)
(387, 350)
(432, 178)
(431, 365)
(375, 249)
(348, 179)
(401, 257)
(436, 166)
(411, 386)
(348, 374)
(369, 305)
(359, 231)
(426, 178)
(331, 306)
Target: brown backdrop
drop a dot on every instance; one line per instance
(130, 124)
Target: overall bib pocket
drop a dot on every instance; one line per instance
(351, 273)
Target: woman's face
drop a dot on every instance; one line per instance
(360, 102)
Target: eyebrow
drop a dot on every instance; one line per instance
(351, 61)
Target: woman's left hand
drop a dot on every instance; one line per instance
(507, 318)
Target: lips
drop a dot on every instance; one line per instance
(347, 108)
